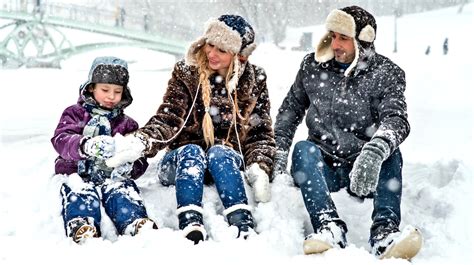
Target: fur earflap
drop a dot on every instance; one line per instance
(367, 34)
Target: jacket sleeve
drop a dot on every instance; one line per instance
(259, 145)
(392, 109)
(68, 134)
(170, 116)
(292, 110)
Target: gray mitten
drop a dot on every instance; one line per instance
(280, 163)
(364, 175)
(102, 146)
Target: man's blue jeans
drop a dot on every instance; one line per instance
(316, 179)
(186, 166)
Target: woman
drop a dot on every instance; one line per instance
(214, 121)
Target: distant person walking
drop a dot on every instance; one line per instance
(445, 46)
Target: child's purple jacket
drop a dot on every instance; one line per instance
(68, 135)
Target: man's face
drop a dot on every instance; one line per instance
(343, 47)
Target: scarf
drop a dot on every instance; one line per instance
(93, 168)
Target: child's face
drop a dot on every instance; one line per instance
(107, 95)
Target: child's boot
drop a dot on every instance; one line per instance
(80, 229)
(140, 224)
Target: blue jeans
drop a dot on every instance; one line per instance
(186, 166)
(121, 202)
(317, 178)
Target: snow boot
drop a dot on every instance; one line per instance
(140, 224)
(191, 223)
(389, 242)
(80, 229)
(241, 217)
(329, 235)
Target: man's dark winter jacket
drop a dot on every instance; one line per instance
(343, 113)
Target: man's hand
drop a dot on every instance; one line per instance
(102, 146)
(364, 175)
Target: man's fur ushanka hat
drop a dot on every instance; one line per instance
(352, 21)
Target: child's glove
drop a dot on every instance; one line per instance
(122, 172)
(102, 146)
(259, 181)
(364, 175)
(279, 163)
(128, 149)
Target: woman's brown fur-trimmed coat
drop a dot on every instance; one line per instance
(255, 129)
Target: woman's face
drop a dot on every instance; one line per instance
(218, 59)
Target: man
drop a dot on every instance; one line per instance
(356, 119)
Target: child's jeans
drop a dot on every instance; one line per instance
(121, 201)
(186, 166)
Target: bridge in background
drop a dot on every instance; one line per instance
(33, 34)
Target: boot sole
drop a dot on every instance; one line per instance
(195, 236)
(85, 232)
(406, 248)
(314, 246)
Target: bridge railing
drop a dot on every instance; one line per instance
(140, 20)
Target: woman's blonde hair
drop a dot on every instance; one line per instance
(204, 73)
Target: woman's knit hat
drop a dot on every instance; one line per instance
(231, 33)
(352, 21)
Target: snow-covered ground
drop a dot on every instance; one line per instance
(438, 171)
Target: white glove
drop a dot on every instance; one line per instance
(259, 181)
(102, 146)
(127, 149)
(122, 172)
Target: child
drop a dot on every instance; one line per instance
(83, 140)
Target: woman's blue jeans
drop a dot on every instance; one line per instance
(186, 166)
(317, 179)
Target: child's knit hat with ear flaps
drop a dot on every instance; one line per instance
(231, 33)
(110, 74)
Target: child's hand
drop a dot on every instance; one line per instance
(102, 146)
(122, 172)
